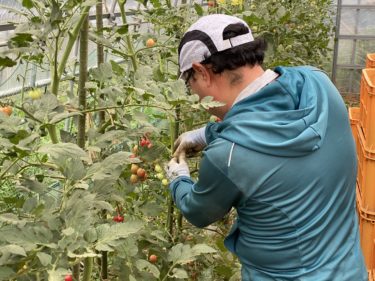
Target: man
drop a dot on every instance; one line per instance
(283, 157)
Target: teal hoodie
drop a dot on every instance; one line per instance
(285, 159)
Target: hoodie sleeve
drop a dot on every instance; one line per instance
(207, 200)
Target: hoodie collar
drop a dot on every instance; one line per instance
(267, 77)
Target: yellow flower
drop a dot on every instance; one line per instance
(236, 2)
(221, 2)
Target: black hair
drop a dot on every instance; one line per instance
(246, 54)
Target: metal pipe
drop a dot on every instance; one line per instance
(43, 83)
(336, 41)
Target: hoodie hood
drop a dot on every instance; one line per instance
(288, 117)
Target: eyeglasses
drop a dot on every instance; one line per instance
(187, 75)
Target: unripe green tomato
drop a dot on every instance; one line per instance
(160, 176)
(158, 169)
(165, 182)
(35, 94)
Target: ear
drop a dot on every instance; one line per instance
(202, 71)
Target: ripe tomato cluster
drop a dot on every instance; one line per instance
(118, 217)
(138, 173)
(145, 142)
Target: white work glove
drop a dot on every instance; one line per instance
(190, 142)
(178, 167)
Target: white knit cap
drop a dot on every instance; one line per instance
(206, 37)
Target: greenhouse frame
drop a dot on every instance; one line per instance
(354, 37)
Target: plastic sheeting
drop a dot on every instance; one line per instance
(357, 39)
(352, 49)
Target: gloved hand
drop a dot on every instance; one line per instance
(190, 142)
(178, 167)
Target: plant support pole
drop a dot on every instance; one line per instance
(170, 214)
(176, 134)
(76, 270)
(89, 263)
(83, 58)
(81, 132)
(100, 51)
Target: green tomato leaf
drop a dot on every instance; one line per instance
(109, 234)
(30, 204)
(103, 73)
(61, 116)
(13, 249)
(203, 249)
(32, 185)
(129, 248)
(159, 235)
(27, 4)
(103, 247)
(156, 3)
(143, 265)
(44, 258)
(111, 167)
(63, 150)
(251, 18)
(73, 169)
(12, 219)
(151, 209)
(6, 62)
(208, 102)
(111, 137)
(68, 231)
(6, 273)
(181, 254)
(198, 9)
(21, 40)
(123, 29)
(24, 143)
(57, 274)
(117, 68)
(91, 235)
(179, 273)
